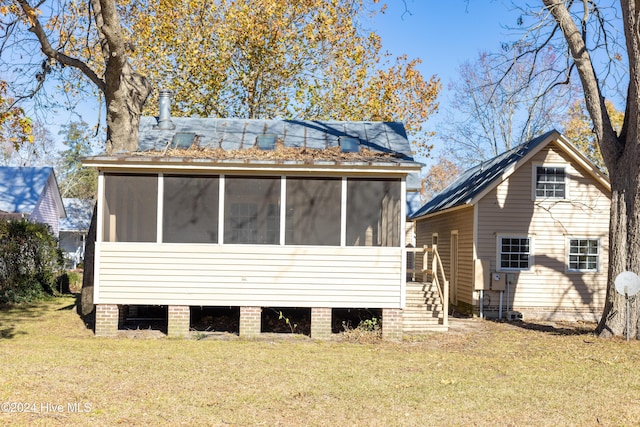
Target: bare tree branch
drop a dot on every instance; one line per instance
(52, 53)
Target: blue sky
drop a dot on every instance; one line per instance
(444, 34)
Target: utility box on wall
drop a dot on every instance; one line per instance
(498, 281)
(481, 279)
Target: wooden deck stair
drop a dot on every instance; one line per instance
(424, 310)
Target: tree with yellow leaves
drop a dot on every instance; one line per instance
(304, 59)
(579, 129)
(81, 42)
(299, 59)
(15, 127)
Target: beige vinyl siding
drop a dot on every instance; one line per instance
(243, 275)
(462, 221)
(509, 210)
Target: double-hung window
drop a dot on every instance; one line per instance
(550, 182)
(584, 254)
(515, 253)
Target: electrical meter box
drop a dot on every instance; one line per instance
(498, 281)
(481, 271)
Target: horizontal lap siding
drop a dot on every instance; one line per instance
(443, 224)
(46, 211)
(510, 210)
(249, 276)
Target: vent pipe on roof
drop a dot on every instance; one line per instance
(164, 122)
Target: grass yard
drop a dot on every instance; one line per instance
(481, 373)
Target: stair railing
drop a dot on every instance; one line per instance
(437, 273)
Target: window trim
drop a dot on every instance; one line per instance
(499, 238)
(223, 201)
(534, 177)
(568, 240)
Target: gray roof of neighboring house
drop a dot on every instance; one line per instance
(79, 212)
(22, 187)
(234, 134)
(476, 179)
(414, 181)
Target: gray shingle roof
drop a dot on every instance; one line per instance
(79, 212)
(22, 187)
(233, 134)
(476, 179)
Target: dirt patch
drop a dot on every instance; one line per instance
(474, 325)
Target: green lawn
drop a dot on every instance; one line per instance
(483, 374)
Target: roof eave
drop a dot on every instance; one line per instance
(182, 163)
(457, 207)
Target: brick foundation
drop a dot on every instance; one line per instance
(321, 323)
(392, 324)
(178, 320)
(250, 321)
(107, 317)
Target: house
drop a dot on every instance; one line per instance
(525, 234)
(74, 229)
(31, 193)
(253, 214)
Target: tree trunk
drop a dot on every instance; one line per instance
(86, 295)
(125, 95)
(125, 91)
(621, 154)
(622, 157)
(624, 236)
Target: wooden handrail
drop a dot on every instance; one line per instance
(437, 270)
(414, 270)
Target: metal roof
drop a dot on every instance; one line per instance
(79, 212)
(475, 180)
(238, 134)
(22, 187)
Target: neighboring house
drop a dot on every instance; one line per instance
(32, 193)
(74, 229)
(524, 234)
(254, 214)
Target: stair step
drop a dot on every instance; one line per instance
(423, 301)
(424, 309)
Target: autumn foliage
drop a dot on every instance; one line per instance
(301, 59)
(579, 129)
(15, 127)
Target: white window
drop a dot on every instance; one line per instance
(515, 253)
(584, 254)
(550, 182)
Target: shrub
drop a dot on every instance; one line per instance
(367, 331)
(30, 261)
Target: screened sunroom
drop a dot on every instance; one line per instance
(253, 210)
(226, 224)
